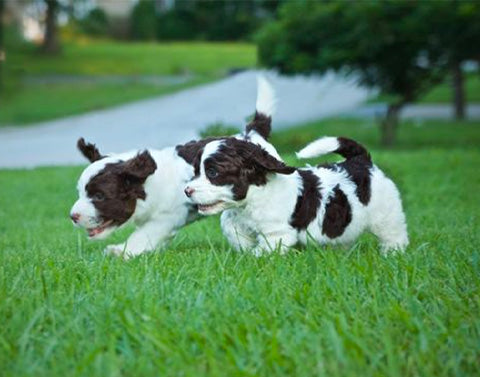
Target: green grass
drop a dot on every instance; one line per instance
(411, 134)
(199, 309)
(40, 102)
(91, 57)
(25, 102)
(443, 93)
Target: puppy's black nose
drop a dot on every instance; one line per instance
(189, 191)
(75, 217)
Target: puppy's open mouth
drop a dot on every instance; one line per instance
(92, 232)
(210, 208)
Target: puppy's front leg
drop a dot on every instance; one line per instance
(117, 250)
(145, 238)
(239, 236)
(273, 241)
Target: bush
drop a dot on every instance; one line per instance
(216, 20)
(95, 23)
(177, 24)
(143, 21)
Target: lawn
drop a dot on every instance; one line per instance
(94, 57)
(199, 309)
(443, 94)
(29, 101)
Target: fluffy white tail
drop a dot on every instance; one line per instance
(345, 147)
(319, 147)
(266, 99)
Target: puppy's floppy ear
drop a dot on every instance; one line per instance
(190, 151)
(266, 161)
(139, 167)
(90, 151)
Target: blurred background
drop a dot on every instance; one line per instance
(151, 73)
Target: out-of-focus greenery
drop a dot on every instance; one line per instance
(86, 56)
(197, 308)
(442, 93)
(402, 48)
(218, 129)
(24, 101)
(377, 40)
(398, 47)
(219, 20)
(38, 102)
(95, 23)
(143, 21)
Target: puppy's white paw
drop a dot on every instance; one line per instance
(257, 251)
(260, 251)
(393, 249)
(117, 250)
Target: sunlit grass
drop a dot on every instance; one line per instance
(141, 58)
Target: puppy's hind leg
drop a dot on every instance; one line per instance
(387, 219)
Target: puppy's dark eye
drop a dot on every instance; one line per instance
(99, 197)
(211, 173)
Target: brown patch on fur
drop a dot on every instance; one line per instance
(115, 189)
(349, 148)
(308, 202)
(192, 151)
(338, 214)
(358, 165)
(90, 151)
(241, 164)
(261, 124)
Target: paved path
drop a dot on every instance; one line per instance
(176, 118)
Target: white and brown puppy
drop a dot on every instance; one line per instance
(147, 187)
(268, 205)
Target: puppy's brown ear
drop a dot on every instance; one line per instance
(267, 162)
(190, 151)
(90, 151)
(139, 167)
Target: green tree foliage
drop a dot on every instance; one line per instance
(178, 23)
(389, 45)
(454, 36)
(143, 21)
(95, 23)
(216, 20)
(2, 52)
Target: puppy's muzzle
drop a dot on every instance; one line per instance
(189, 191)
(75, 217)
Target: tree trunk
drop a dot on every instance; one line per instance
(51, 44)
(389, 125)
(2, 51)
(458, 91)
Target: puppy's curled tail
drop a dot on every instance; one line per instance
(347, 148)
(264, 108)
